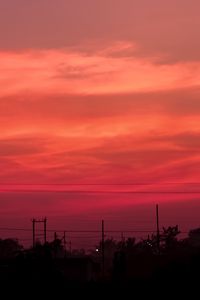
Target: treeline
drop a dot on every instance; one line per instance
(158, 258)
(167, 241)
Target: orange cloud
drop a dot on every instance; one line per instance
(100, 72)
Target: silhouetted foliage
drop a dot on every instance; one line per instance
(194, 237)
(9, 248)
(169, 236)
(78, 252)
(126, 261)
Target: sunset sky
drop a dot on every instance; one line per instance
(99, 92)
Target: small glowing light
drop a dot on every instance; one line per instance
(97, 250)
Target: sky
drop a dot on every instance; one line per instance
(102, 92)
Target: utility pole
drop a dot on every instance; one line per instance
(64, 241)
(158, 228)
(33, 230)
(103, 248)
(70, 247)
(44, 221)
(45, 230)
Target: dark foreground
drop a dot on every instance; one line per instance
(157, 267)
(157, 276)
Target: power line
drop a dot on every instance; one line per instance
(99, 184)
(15, 229)
(101, 192)
(82, 231)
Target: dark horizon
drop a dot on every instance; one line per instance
(121, 224)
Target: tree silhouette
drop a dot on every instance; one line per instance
(194, 237)
(168, 237)
(9, 248)
(128, 245)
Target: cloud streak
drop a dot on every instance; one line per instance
(65, 71)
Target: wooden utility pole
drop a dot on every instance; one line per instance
(33, 231)
(70, 247)
(103, 248)
(45, 230)
(44, 221)
(64, 241)
(158, 228)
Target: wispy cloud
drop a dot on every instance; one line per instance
(104, 72)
